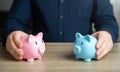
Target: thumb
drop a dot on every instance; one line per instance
(95, 34)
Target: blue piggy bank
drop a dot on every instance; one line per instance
(84, 47)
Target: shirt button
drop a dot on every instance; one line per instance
(61, 17)
(61, 32)
(62, 1)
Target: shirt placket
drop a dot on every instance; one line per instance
(61, 17)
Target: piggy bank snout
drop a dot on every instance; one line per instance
(77, 49)
(41, 48)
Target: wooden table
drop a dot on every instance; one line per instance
(59, 58)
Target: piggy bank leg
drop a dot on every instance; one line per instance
(30, 60)
(87, 59)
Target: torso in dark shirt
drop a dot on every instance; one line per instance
(59, 20)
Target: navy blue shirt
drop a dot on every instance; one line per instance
(59, 20)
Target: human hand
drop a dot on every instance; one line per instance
(104, 44)
(13, 44)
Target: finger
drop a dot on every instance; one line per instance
(105, 49)
(104, 52)
(20, 56)
(11, 48)
(16, 40)
(101, 49)
(101, 41)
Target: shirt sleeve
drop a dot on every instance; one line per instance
(105, 19)
(18, 18)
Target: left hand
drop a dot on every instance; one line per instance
(104, 44)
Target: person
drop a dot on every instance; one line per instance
(59, 20)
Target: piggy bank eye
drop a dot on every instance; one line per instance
(82, 43)
(36, 43)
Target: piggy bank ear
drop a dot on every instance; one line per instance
(87, 37)
(78, 35)
(40, 35)
(30, 38)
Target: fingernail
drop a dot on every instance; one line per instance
(20, 52)
(98, 58)
(98, 53)
(20, 58)
(97, 46)
(20, 45)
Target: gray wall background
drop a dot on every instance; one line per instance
(5, 5)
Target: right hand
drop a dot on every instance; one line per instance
(13, 44)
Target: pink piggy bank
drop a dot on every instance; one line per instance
(33, 47)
